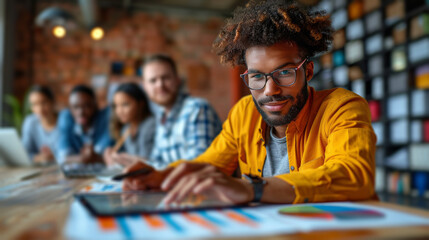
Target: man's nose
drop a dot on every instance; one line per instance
(271, 88)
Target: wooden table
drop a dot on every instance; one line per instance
(34, 204)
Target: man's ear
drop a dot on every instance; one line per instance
(309, 70)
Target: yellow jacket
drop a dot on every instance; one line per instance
(331, 146)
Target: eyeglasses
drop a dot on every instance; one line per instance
(284, 77)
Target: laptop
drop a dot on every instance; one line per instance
(83, 170)
(12, 152)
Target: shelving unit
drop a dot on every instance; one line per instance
(383, 48)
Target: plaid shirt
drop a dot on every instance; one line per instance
(185, 132)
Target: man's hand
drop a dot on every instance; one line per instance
(151, 181)
(111, 158)
(45, 156)
(107, 157)
(205, 179)
(88, 155)
(126, 160)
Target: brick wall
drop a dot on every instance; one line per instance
(62, 63)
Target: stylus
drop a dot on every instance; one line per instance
(142, 171)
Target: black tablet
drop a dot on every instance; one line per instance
(139, 202)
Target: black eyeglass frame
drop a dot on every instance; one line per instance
(243, 76)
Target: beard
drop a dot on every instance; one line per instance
(294, 110)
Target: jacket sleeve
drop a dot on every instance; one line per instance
(349, 161)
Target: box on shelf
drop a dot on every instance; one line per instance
(426, 131)
(377, 88)
(341, 76)
(339, 58)
(339, 3)
(375, 109)
(399, 183)
(374, 44)
(399, 59)
(399, 133)
(420, 103)
(379, 179)
(392, 182)
(395, 11)
(354, 51)
(355, 30)
(339, 19)
(379, 132)
(388, 42)
(373, 22)
(399, 33)
(419, 157)
(355, 73)
(325, 5)
(399, 159)
(326, 78)
(379, 156)
(419, 50)
(397, 106)
(398, 82)
(355, 9)
(422, 76)
(416, 131)
(326, 60)
(370, 5)
(419, 26)
(358, 87)
(375, 65)
(421, 183)
(339, 39)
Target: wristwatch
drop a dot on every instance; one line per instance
(258, 186)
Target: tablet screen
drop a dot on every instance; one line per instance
(112, 204)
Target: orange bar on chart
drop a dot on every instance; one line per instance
(200, 221)
(107, 223)
(153, 222)
(239, 218)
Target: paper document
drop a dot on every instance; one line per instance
(235, 222)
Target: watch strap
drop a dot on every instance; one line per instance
(257, 185)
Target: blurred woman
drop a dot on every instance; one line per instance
(132, 125)
(39, 131)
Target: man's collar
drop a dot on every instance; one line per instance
(160, 111)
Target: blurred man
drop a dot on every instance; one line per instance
(83, 128)
(293, 144)
(185, 125)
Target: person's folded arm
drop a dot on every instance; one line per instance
(349, 161)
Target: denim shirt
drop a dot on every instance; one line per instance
(73, 138)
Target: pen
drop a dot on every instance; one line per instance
(142, 171)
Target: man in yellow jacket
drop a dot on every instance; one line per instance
(292, 144)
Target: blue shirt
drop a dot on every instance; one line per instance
(72, 138)
(185, 132)
(34, 136)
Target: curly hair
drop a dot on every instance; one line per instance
(265, 23)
